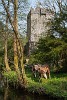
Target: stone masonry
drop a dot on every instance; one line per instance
(38, 20)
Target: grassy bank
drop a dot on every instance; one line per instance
(56, 86)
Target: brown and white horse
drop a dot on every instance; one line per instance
(43, 71)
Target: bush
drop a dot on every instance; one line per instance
(11, 76)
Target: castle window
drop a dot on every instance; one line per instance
(42, 13)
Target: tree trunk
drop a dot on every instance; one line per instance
(22, 67)
(5, 56)
(6, 93)
(16, 43)
(20, 55)
(15, 39)
(6, 38)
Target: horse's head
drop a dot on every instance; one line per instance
(35, 69)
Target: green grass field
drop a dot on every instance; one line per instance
(56, 86)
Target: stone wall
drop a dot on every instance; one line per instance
(37, 26)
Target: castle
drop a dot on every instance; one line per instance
(38, 24)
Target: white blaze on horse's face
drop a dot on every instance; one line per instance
(36, 67)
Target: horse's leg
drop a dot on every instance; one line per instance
(49, 75)
(40, 76)
(35, 74)
(45, 75)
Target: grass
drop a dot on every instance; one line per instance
(56, 86)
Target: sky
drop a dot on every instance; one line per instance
(33, 2)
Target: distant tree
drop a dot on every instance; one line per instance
(50, 50)
(59, 23)
(60, 27)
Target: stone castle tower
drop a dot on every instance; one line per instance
(38, 20)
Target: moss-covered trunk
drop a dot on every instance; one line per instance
(5, 55)
(5, 47)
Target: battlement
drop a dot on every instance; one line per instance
(35, 11)
(40, 11)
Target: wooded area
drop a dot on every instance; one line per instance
(51, 50)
